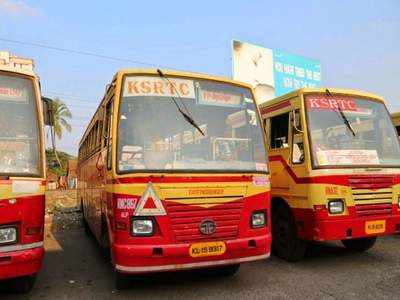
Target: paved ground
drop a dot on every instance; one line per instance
(74, 269)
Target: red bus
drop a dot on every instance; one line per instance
(22, 178)
(172, 174)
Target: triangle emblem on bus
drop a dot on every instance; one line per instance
(150, 204)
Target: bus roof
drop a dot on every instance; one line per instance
(304, 91)
(139, 71)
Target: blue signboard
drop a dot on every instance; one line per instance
(272, 72)
(292, 72)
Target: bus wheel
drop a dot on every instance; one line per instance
(86, 227)
(227, 271)
(23, 285)
(105, 244)
(285, 242)
(122, 281)
(359, 245)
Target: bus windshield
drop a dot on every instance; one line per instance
(154, 135)
(349, 131)
(19, 144)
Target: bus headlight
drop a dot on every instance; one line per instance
(8, 235)
(258, 219)
(143, 226)
(336, 206)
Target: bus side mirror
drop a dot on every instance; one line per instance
(48, 114)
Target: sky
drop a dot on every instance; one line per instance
(357, 42)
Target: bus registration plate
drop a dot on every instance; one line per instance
(207, 249)
(373, 227)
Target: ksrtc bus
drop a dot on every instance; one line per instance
(173, 174)
(22, 177)
(335, 169)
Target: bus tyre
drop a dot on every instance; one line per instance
(105, 244)
(23, 285)
(227, 271)
(122, 281)
(359, 245)
(86, 227)
(285, 242)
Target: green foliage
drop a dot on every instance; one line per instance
(52, 163)
(61, 115)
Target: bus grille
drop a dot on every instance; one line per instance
(186, 219)
(368, 196)
(373, 209)
(371, 182)
(367, 189)
(372, 194)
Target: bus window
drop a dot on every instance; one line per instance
(231, 141)
(279, 129)
(107, 133)
(362, 134)
(19, 137)
(297, 139)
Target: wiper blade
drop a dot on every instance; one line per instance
(342, 115)
(191, 121)
(186, 115)
(346, 121)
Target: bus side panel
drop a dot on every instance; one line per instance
(86, 193)
(92, 183)
(95, 197)
(101, 185)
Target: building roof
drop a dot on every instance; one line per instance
(15, 64)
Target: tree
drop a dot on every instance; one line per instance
(52, 161)
(61, 114)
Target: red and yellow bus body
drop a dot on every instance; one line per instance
(22, 176)
(371, 208)
(178, 204)
(25, 211)
(369, 192)
(188, 200)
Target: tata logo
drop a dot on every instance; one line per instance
(207, 227)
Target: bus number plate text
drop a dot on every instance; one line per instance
(373, 227)
(207, 249)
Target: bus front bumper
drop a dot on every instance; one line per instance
(141, 258)
(20, 260)
(354, 227)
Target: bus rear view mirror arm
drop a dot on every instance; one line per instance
(296, 121)
(48, 114)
